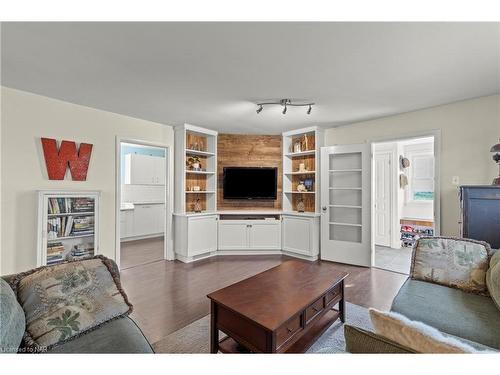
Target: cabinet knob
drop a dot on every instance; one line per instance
(324, 208)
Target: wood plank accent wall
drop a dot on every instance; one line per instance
(237, 150)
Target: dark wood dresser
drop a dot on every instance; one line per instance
(480, 206)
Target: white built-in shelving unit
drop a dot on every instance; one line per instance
(68, 226)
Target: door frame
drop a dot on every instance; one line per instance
(436, 133)
(168, 250)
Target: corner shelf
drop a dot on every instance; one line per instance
(301, 151)
(198, 152)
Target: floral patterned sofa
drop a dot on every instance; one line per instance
(120, 335)
(446, 290)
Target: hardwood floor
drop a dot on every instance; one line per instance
(170, 295)
(135, 253)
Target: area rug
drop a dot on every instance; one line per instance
(194, 338)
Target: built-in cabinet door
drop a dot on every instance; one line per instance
(297, 234)
(233, 235)
(202, 235)
(265, 235)
(144, 170)
(126, 223)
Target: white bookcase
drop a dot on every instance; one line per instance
(301, 147)
(195, 233)
(195, 142)
(68, 225)
(301, 166)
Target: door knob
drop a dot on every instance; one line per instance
(324, 208)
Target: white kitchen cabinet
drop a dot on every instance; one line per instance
(195, 236)
(126, 223)
(145, 220)
(301, 235)
(144, 170)
(249, 235)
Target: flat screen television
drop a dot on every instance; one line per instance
(250, 183)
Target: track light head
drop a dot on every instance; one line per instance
(284, 110)
(259, 110)
(309, 110)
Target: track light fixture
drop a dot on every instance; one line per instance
(285, 103)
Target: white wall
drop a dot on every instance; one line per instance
(25, 118)
(468, 130)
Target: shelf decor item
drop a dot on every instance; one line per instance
(302, 167)
(308, 183)
(194, 163)
(496, 158)
(301, 187)
(197, 206)
(300, 206)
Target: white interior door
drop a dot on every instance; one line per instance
(345, 204)
(382, 197)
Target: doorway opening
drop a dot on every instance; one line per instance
(142, 236)
(404, 199)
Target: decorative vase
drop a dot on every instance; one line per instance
(197, 205)
(302, 167)
(196, 166)
(300, 206)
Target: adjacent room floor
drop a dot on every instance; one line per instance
(397, 260)
(168, 295)
(136, 253)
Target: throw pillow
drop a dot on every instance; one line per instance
(493, 278)
(456, 263)
(12, 322)
(64, 301)
(416, 335)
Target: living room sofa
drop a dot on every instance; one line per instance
(472, 318)
(120, 335)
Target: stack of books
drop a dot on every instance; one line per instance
(83, 250)
(55, 253)
(83, 205)
(60, 226)
(83, 225)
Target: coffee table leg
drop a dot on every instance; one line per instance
(342, 303)
(214, 332)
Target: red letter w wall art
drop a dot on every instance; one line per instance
(57, 160)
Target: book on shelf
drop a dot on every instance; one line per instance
(82, 250)
(83, 205)
(68, 226)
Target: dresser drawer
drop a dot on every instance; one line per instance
(287, 330)
(332, 294)
(313, 310)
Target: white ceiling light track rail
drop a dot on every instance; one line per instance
(285, 103)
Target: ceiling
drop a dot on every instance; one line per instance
(212, 74)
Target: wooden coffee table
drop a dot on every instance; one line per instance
(282, 310)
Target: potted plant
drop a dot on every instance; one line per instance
(194, 162)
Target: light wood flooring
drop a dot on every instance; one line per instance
(168, 295)
(139, 252)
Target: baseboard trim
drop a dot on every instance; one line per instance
(185, 259)
(127, 239)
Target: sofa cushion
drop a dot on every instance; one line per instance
(12, 321)
(64, 301)
(457, 263)
(465, 315)
(117, 336)
(493, 278)
(415, 335)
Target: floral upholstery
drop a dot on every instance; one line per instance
(64, 301)
(457, 263)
